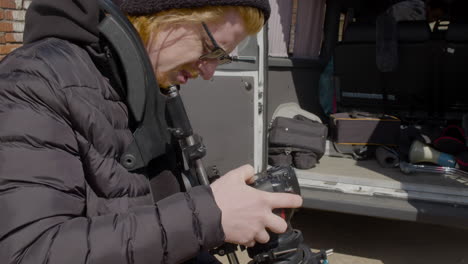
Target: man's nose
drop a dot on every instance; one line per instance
(207, 68)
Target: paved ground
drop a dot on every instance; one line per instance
(367, 240)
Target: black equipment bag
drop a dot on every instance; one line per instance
(298, 132)
(299, 158)
(296, 141)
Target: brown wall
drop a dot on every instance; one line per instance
(12, 14)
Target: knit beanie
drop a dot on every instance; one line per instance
(147, 7)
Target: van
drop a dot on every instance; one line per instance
(308, 47)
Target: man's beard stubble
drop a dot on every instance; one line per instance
(167, 79)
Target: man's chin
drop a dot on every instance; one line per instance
(164, 82)
(165, 85)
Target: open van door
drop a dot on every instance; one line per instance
(228, 112)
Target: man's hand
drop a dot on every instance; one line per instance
(247, 212)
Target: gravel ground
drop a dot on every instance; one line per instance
(368, 240)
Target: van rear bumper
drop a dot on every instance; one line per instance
(386, 207)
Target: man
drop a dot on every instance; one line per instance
(64, 196)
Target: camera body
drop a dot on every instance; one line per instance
(285, 248)
(279, 180)
(281, 247)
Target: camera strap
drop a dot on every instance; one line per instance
(145, 102)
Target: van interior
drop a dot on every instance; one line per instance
(378, 58)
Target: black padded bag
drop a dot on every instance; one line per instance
(304, 159)
(299, 158)
(280, 157)
(299, 133)
(298, 142)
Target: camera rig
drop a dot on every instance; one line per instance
(286, 248)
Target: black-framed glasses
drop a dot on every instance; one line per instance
(217, 52)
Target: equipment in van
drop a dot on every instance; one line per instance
(387, 157)
(420, 152)
(409, 168)
(426, 92)
(292, 109)
(452, 140)
(361, 128)
(465, 127)
(296, 141)
(462, 161)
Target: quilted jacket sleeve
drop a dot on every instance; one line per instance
(43, 193)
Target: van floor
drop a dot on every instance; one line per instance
(369, 178)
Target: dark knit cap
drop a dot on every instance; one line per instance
(147, 7)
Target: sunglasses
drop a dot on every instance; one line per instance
(217, 53)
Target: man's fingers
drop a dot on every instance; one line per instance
(284, 200)
(276, 224)
(246, 172)
(250, 244)
(262, 237)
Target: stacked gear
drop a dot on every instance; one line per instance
(297, 141)
(452, 141)
(428, 148)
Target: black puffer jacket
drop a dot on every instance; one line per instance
(64, 197)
